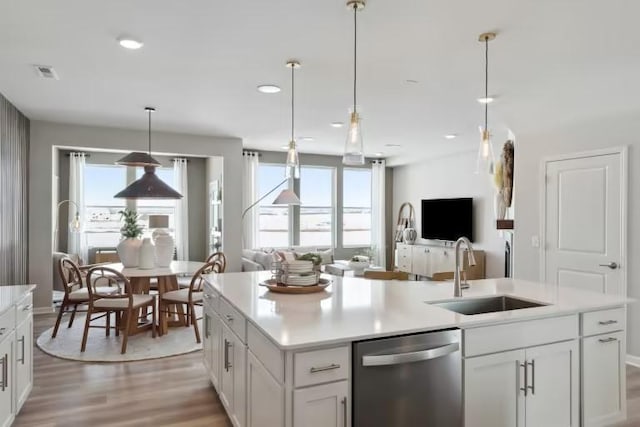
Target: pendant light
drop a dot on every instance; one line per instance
(293, 162)
(148, 186)
(354, 147)
(486, 158)
(139, 158)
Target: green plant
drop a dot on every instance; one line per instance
(316, 258)
(130, 229)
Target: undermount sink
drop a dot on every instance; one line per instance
(486, 305)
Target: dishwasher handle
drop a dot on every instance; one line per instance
(414, 356)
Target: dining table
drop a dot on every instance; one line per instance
(167, 280)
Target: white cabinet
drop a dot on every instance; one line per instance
(421, 261)
(404, 258)
(535, 387)
(232, 378)
(265, 396)
(24, 361)
(603, 379)
(322, 406)
(212, 344)
(7, 388)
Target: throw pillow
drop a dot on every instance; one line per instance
(327, 256)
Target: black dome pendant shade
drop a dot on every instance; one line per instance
(148, 186)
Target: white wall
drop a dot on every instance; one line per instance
(45, 136)
(448, 177)
(531, 149)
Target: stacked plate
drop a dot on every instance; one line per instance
(299, 273)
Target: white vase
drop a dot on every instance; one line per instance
(129, 251)
(499, 206)
(147, 253)
(409, 235)
(164, 248)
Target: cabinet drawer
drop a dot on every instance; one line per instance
(510, 336)
(404, 251)
(7, 323)
(233, 319)
(24, 308)
(601, 322)
(320, 366)
(211, 297)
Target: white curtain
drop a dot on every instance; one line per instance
(378, 240)
(77, 241)
(249, 196)
(181, 219)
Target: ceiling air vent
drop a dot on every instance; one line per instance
(46, 72)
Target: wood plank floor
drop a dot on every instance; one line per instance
(174, 391)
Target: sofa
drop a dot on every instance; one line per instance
(263, 259)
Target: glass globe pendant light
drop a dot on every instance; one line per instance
(354, 145)
(486, 159)
(293, 161)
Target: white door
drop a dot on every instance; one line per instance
(603, 379)
(24, 361)
(265, 405)
(322, 406)
(494, 390)
(553, 385)
(585, 222)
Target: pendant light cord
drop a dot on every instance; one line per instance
(149, 111)
(355, 53)
(292, 101)
(486, 82)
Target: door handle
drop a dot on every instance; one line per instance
(21, 340)
(414, 356)
(526, 378)
(344, 412)
(227, 364)
(532, 387)
(612, 265)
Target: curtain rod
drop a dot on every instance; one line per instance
(78, 152)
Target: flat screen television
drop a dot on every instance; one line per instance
(447, 219)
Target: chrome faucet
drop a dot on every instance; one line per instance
(457, 287)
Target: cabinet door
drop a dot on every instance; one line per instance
(552, 386)
(603, 379)
(494, 390)
(232, 377)
(322, 406)
(206, 341)
(7, 387)
(265, 404)
(420, 261)
(24, 361)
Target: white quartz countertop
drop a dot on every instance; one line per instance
(11, 294)
(352, 309)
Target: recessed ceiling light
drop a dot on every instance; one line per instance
(451, 136)
(484, 100)
(379, 154)
(284, 147)
(337, 124)
(412, 81)
(306, 138)
(269, 89)
(392, 145)
(130, 43)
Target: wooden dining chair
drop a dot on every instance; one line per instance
(218, 256)
(75, 291)
(386, 275)
(124, 303)
(190, 297)
(442, 276)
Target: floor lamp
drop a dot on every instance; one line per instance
(75, 225)
(286, 197)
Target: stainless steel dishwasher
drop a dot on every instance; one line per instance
(408, 381)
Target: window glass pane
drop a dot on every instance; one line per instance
(102, 220)
(273, 220)
(356, 219)
(316, 211)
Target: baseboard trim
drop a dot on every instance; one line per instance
(43, 310)
(633, 360)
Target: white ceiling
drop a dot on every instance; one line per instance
(554, 61)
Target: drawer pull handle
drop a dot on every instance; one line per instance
(331, 367)
(27, 307)
(607, 322)
(607, 340)
(229, 318)
(526, 378)
(21, 359)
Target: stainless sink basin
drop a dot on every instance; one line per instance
(486, 305)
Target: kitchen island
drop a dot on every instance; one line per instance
(283, 360)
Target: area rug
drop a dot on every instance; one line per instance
(100, 348)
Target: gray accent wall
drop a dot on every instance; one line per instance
(14, 178)
(48, 137)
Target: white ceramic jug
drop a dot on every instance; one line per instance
(165, 247)
(146, 254)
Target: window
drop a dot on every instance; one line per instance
(356, 207)
(316, 210)
(157, 207)
(102, 220)
(273, 220)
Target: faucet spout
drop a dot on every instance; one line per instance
(457, 288)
